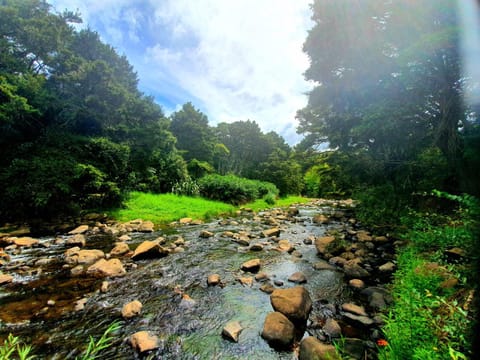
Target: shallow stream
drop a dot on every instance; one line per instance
(188, 329)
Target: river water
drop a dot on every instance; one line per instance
(187, 329)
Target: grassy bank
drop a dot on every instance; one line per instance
(433, 314)
(165, 208)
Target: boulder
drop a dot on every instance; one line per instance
(271, 232)
(25, 241)
(77, 240)
(232, 330)
(131, 309)
(388, 267)
(144, 341)
(323, 265)
(148, 250)
(364, 236)
(213, 280)
(121, 248)
(104, 268)
(322, 244)
(76, 256)
(185, 221)
(251, 265)
(332, 328)
(267, 288)
(256, 247)
(358, 319)
(354, 270)
(146, 226)
(206, 234)
(278, 330)
(356, 284)
(295, 303)
(354, 309)
(5, 279)
(79, 230)
(313, 349)
(261, 277)
(320, 219)
(284, 245)
(124, 238)
(246, 281)
(298, 278)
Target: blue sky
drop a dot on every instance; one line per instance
(233, 59)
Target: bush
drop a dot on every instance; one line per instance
(235, 190)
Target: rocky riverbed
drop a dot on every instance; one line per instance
(280, 284)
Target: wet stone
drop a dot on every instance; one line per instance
(267, 288)
(278, 330)
(354, 309)
(79, 230)
(206, 234)
(232, 330)
(5, 279)
(213, 280)
(298, 278)
(131, 309)
(260, 277)
(144, 341)
(313, 349)
(251, 265)
(332, 328)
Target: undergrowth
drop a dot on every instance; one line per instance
(432, 316)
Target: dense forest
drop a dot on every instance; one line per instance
(388, 105)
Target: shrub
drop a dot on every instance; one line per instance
(235, 190)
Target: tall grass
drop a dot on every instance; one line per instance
(165, 208)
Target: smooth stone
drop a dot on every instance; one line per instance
(278, 330)
(356, 284)
(232, 330)
(271, 232)
(120, 249)
(213, 280)
(79, 230)
(77, 240)
(144, 341)
(295, 303)
(313, 349)
(332, 328)
(206, 234)
(354, 309)
(298, 278)
(251, 265)
(148, 250)
(104, 268)
(5, 279)
(131, 309)
(267, 288)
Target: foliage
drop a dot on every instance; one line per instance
(188, 187)
(95, 347)
(427, 319)
(12, 348)
(235, 190)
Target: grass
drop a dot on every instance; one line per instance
(427, 319)
(165, 208)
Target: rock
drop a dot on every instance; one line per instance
(323, 265)
(271, 232)
(354, 309)
(387, 267)
(5, 279)
(197, 222)
(309, 240)
(256, 247)
(187, 302)
(293, 211)
(80, 304)
(260, 277)
(363, 236)
(185, 221)
(377, 301)
(251, 265)
(380, 239)
(267, 288)
(284, 245)
(353, 270)
(246, 281)
(206, 234)
(105, 286)
(77, 240)
(213, 280)
(356, 284)
(131, 309)
(278, 282)
(332, 328)
(51, 302)
(455, 254)
(323, 243)
(44, 261)
(359, 319)
(278, 330)
(232, 330)
(295, 303)
(298, 278)
(121, 248)
(320, 219)
(74, 256)
(104, 268)
(228, 234)
(354, 348)
(79, 230)
(313, 349)
(124, 238)
(144, 341)
(25, 241)
(180, 241)
(149, 250)
(449, 283)
(77, 270)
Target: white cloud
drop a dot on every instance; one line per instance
(242, 59)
